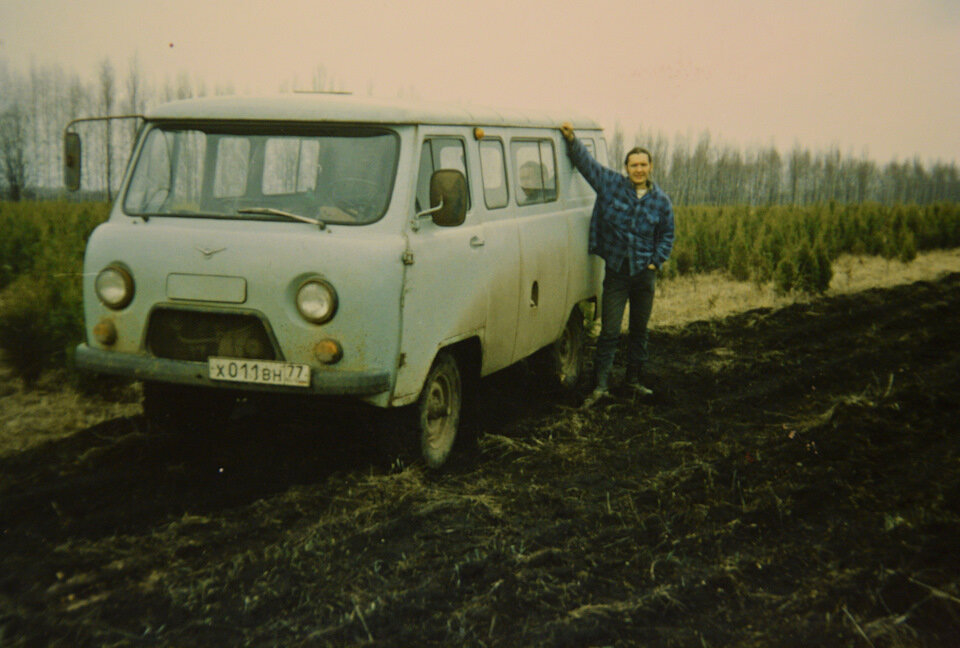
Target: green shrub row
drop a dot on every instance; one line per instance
(42, 243)
(41, 265)
(794, 246)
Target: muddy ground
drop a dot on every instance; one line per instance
(795, 481)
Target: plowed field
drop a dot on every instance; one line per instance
(794, 481)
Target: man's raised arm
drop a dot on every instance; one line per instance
(585, 163)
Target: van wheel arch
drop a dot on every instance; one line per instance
(448, 392)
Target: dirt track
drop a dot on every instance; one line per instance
(794, 482)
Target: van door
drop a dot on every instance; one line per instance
(445, 288)
(502, 255)
(544, 246)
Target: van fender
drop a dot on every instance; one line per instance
(467, 348)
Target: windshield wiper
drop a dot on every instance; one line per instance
(270, 211)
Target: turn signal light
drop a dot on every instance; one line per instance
(328, 351)
(105, 332)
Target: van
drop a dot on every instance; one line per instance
(326, 245)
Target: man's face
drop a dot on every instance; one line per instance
(638, 169)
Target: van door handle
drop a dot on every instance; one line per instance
(476, 241)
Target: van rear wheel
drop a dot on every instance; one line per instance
(563, 361)
(439, 408)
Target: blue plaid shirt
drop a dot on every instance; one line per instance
(627, 232)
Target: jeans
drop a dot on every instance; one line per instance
(618, 288)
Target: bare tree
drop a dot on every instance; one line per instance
(319, 80)
(796, 171)
(107, 99)
(136, 100)
(700, 163)
(221, 89)
(617, 149)
(13, 149)
(35, 105)
(184, 89)
(771, 168)
(679, 182)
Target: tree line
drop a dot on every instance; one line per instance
(707, 173)
(36, 105)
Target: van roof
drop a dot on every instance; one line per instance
(347, 108)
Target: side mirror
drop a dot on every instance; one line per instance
(448, 193)
(71, 161)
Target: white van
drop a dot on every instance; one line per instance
(327, 245)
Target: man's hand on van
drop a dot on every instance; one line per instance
(567, 129)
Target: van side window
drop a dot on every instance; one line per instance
(439, 153)
(548, 163)
(535, 166)
(494, 174)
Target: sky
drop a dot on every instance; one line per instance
(879, 78)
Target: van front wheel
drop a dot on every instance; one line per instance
(439, 409)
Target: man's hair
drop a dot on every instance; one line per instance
(634, 151)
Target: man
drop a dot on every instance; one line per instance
(632, 231)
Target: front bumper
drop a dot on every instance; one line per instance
(142, 367)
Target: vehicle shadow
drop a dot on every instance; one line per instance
(125, 476)
(121, 475)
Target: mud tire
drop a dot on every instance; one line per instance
(563, 362)
(439, 409)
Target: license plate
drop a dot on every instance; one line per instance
(261, 372)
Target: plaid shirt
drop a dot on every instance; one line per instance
(629, 233)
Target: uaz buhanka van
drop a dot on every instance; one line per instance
(325, 245)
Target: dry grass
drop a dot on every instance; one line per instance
(49, 410)
(713, 296)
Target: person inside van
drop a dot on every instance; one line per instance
(632, 230)
(531, 182)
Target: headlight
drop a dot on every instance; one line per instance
(114, 287)
(317, 301)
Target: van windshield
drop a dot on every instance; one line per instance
(333, 175)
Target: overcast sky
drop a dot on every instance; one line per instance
(880, 77)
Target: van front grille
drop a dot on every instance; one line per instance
(192, 335)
